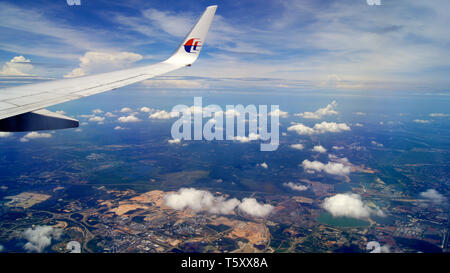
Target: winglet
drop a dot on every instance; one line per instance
(190, 48)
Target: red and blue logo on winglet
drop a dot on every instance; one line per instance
(192, 45)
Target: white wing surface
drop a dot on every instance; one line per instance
(21, 107)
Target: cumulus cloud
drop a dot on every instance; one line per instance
(126, 110)
(319, 149)
(297, 146)
(342, 160)
(110, 115)
(301, 129)
(119, 128)
(279, 113)
(245, 139)
(295, 187)
(201, 200)
(40, 237)
(97, 62)
(5, 134)
(374, 247)
(438, 115)
(337, 147)
(128, 119)
(163, 115)
(264, 165)
(334, 168)
(145, 109)
(349, 205)
(319, 128)
(332, 127)
(17, 66)
(330, 109)
(253, 208)
(433, 196)
(97, 111)
(423, 121)
(97, 119)
(34, 135)
(174, 141)
(373, 142)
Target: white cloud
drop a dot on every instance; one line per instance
(245, 139)
(423, 121)
(97, 111)
(342, 160)
(145, 109)
(349, 205)
(373, 142)
(360, 113)
(319, 128)
(34, 135)
(337, 147)
(301, 129)
(359, 124)
(162, 114)
(110, 115)
(174, 141)
(433, 196)
(279, 113)
(119, 128)
(331, 127)
(319, 149)
(17, 66)
(330, 109)
(5, 134)
(201, 200)
(296, 187)
(97, 62)
(264, 165)
(126, 110)
(40, 237)
(97, 119)
(297, 146)
(333, 168)
(253, 208)
(438, 115)
(128, 119)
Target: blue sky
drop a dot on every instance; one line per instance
(268, 45)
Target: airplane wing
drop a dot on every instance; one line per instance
(22, 107)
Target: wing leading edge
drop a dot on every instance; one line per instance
(20, 107)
